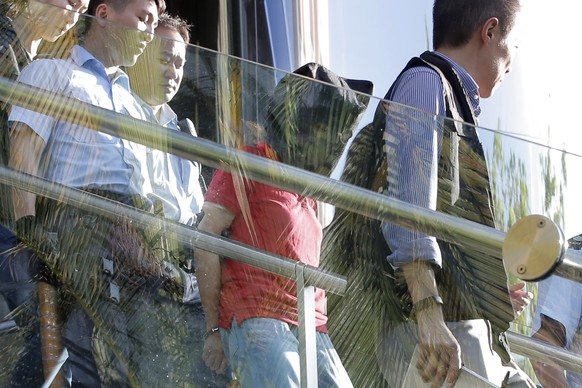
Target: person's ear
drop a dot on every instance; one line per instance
(489, 29)
(102, 13)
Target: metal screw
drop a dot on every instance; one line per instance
(521, 269)
(541, 223)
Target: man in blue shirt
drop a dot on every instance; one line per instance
(81, 158)
(435, 163)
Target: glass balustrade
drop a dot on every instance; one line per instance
(326, 186)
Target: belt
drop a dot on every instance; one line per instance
(47, 208)
(57, 217)
(135, 200)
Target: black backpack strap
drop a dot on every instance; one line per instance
(463, 104)
(457, 106)
(450, 80)
(187, 126)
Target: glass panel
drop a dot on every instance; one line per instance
(91, 276)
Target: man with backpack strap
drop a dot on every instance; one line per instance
(461, 304)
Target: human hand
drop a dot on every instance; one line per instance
(213, 353)
(520, 299)
(439, 358)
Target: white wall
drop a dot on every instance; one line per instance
(373, 39)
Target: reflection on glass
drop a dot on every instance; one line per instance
(145, 282)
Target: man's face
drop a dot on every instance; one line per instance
(52, 18)
(163, 62)
(497, 61)
(131, 29)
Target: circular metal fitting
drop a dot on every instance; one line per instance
(533, 248)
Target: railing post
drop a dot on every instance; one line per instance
(307, 341)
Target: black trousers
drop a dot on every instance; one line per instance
(18, 293)
(143, 338)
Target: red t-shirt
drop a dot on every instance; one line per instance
(273, 220)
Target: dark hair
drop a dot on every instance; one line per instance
(121, 4)
(455, 21)
(176, 24)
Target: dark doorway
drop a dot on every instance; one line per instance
(202, 15)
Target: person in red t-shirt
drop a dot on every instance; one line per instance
(251, 312)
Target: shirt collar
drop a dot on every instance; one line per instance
(468, 83)
(168, 117)
(84, 58)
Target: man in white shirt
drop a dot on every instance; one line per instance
(176, 183)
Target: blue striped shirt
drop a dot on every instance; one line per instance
(413, 140)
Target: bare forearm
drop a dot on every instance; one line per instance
(208, 271)
(421, 283)
(550, 375)
(209, 283)
(26, 148)
(24, 203)
(440, 353)
(420, 278)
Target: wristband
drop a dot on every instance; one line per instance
(425, 303)
(210, 332)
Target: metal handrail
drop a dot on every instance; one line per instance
(340, 194)
(544, 352)
(571, 266)
(520, 344)
(222, 246)
(343, 195)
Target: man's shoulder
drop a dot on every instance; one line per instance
(418, 85)
(416, 79)
(60, 76)
(187, 126)
(426, 65)
(419, 72)
(45, 69)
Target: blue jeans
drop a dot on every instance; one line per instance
(264, 352)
